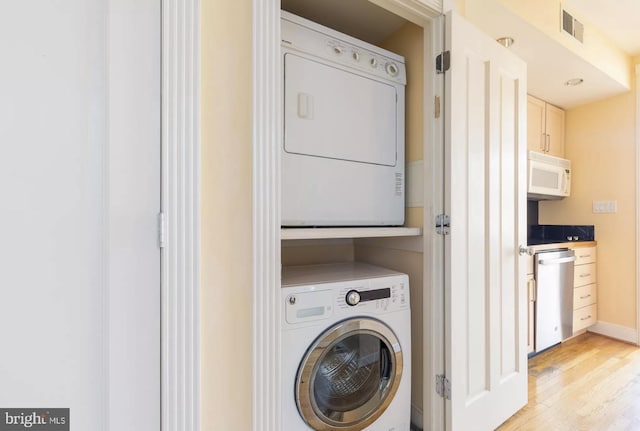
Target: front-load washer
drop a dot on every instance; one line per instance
(342, 153)
(346, 348)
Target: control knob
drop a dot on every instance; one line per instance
(392, 69)
(353, 297)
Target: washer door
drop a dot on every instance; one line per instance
(349, 376)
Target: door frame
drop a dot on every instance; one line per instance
(267, 107)
(179, 221)
(637, 259)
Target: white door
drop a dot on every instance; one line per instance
(485, 296)
(79, 189)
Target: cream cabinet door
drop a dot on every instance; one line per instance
(485, 195)
(554, 125)
(536, 136)
(545, 127)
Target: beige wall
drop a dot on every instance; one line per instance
(316, 251)
(226, 291)
(408, 41)
(600, 142)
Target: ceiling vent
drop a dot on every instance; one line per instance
(572, 26)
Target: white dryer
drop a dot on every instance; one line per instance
(342, 154)
(346, 348)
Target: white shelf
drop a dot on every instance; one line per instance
(347, 232)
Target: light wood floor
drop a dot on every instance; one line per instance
(589, 383)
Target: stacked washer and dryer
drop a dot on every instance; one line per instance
(346, 330)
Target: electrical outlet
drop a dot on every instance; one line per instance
(602, 207)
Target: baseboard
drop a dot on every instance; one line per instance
(417, 418)
(618, 332)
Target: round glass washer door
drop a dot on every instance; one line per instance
(349, 375)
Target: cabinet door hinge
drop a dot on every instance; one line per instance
(443, 62)
(443, 386)
(162, 229)
(442, 224)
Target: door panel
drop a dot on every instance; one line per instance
(485, 161)
(79, 180)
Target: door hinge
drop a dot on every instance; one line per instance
(442, 224)
(443, 62)
(162, 229)
(436, 107)
(443, 386)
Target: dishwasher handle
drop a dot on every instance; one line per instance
(557, 260)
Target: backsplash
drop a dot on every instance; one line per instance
(550, 233)
(532, 213)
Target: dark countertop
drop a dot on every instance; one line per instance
(570, 244)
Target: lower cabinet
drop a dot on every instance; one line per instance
(584, 317)
(585, 310)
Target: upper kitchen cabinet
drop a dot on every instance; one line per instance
(545, 127)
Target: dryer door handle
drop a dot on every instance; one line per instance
(305, 106)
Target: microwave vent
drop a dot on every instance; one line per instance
(572, 26)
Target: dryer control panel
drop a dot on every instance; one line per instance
(314, 39)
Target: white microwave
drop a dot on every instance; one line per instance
(548, 178)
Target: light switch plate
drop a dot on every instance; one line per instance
(602, 207)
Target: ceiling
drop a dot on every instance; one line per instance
(617, 19)
(549, 64)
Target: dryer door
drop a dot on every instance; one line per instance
(333, 113)
(349, 375)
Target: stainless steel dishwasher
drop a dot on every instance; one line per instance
(554, 297)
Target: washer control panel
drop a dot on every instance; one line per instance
(354, 297)
(318, 292)
(375, 296)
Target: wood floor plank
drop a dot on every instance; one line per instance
(588, 383)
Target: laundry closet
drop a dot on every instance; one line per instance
(464, 216)
(398, 246)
